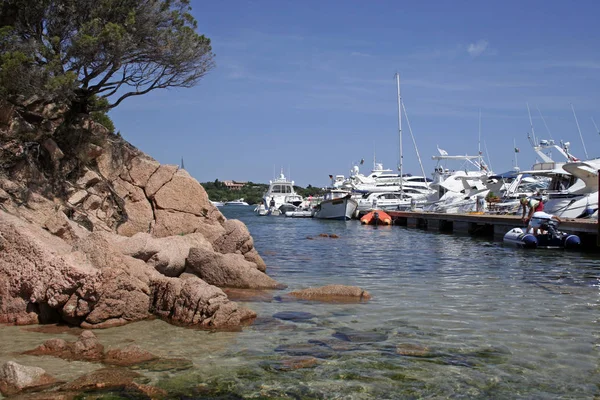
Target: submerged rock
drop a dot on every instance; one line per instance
(294, 316)
(413, 350)
(333, 293)
(87, 347)
(105, 379)
(165, 364)
(15, 378)
(351, 335)
(130, 355)
(291, 363)
(310, 349)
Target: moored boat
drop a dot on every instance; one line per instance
(281, 195)
(299, 214)
(336, 204)
(552, 239)
(238, 202)
(376, 217)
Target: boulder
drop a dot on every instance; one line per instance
(38, 272)
(130, 355)
(87, 348)
(120, 293)
(90, 178)
(53, 150)
(141, 169)
(159, 178)
(138, 209)
(167, 255)
(77, 197)
(169, 223)
(228, 270)
(236, 239)
(333, 293)
(183, 193)
(191, 301)
(59, 225)
(15, 378)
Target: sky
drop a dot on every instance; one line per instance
(308, 87)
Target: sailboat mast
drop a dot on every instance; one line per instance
(413, 139)
(479, 142)
(580, 136)
(535, 143)
(595, 126)
(399, 127)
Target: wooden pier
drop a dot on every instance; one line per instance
(487, 225)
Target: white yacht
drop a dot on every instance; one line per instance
(573, 188)
(388, 201)
(458, 190)
(238, 202)
(336, 204)
(384, 180)
(217, 203)
(281, 195)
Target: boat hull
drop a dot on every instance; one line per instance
(299, 214)
(340, 209)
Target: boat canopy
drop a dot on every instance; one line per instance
(509, 175)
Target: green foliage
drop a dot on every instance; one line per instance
(81, 50)
(103, 119)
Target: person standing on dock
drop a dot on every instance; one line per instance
(536, 217)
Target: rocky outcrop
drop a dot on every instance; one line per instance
(15, 378)
(91, 284)
(96, 233)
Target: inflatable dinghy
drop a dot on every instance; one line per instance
(376, 217)
(553, 239)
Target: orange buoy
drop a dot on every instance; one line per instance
(376, 217)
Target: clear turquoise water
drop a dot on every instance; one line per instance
(488, 321)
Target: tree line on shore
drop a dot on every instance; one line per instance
(251, 192)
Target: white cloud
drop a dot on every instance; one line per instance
(359, 54)
(476, 49)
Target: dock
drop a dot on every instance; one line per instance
(489, 225)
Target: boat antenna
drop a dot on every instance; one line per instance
(595, 126)
(182, 166)
(399, 126)
(544, 121)
(516, 152)
(580, 136)
(535, 143)
(413, 139)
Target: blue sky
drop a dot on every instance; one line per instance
(309, 86)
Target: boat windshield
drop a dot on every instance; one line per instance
(281, 189)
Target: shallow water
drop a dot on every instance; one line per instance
(451, 316)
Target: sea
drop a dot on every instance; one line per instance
(450, 317)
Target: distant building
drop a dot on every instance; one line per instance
(234, 185)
